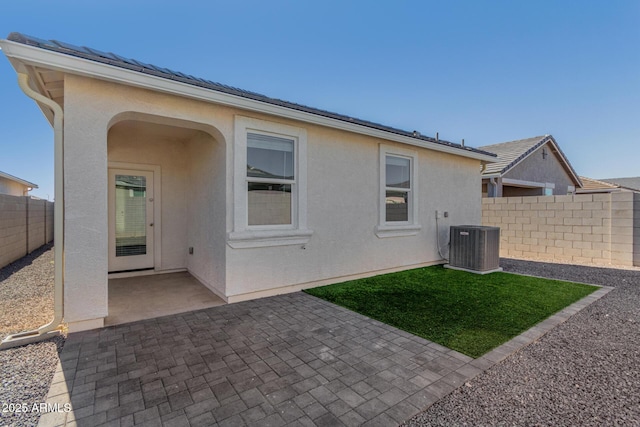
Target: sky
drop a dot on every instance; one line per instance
(485, 71)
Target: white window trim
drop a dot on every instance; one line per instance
(405, 228)
(244, 235)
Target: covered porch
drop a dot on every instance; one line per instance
(146, 297)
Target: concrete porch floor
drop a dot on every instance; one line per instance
(146, 297)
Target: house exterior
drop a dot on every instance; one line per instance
(595, 186)
(628, 183)
(253, 196)
(529, 167)
(15, 186)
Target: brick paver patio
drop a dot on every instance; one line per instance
(286, 360)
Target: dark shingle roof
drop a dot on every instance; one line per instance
(144, 68)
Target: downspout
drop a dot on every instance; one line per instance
(54, 327)
(493, 183)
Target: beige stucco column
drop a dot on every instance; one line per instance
(85, 168)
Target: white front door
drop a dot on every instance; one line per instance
(130, 220)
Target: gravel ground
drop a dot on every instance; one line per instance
(584, 372)
(26, 302)
(26, 376)
(26, 292)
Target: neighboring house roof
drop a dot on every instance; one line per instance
(512, 153)
(590, 185)
(630, 183)
(152, 70)
(18, 180)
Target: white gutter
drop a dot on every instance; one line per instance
(491, 175)
(84, 67)
(54, 327)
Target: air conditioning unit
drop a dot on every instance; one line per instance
(474, 248)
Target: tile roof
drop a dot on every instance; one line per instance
(594, 184)
(632, 183)
(513, 152)
(141, 67)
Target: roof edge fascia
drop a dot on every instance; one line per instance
(544, 140)
(18, 180)
(74, 65)
(491, 175)
(573, 173)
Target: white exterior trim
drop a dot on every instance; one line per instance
(245, 236)
(157, 205)
(383, 231)
(84, 67)
(398, 229)
(532, 184)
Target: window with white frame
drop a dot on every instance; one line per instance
(270, 179)
(398, 192)
(269, 184)
(397, 188)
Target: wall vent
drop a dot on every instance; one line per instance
(475, 248)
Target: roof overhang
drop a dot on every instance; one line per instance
(527, 184)
(18, 180)
(24, 58)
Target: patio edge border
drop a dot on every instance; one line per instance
(475, 367)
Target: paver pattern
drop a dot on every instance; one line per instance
(286, 360)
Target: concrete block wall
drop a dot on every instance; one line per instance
(25, 225)
(601, 229)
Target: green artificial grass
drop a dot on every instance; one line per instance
(466, 312)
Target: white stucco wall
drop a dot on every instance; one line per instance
(91, 108)
(342, 193)
(343, 196)
(207, 212)
(85, 204)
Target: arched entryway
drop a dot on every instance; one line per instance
(166, 216)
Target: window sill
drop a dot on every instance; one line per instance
(266, 238)
(384, 231)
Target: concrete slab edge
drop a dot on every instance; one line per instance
(58, 393)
